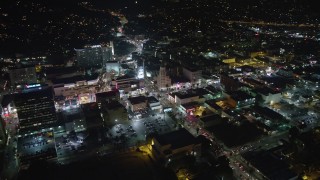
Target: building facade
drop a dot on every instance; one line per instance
(193, 75)
(93, 56)
(36, 110)
(23, 76)
(163, 80)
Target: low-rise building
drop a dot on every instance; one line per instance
(239, 99)
(210, 120)
(154, 104)
(137, 103)
(269, 96)
(173, 144)
(213, 106)
(92, 115)
(126, 83)
(186, 97)
(115, 112)
(192, 74)
(107, 97)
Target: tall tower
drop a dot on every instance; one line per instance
(163, 80)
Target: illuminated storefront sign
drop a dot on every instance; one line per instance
(33, 85)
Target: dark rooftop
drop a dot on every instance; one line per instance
(126, 76)
(212, 117)
(107, 94)
(267, 113)
(45, 91)
(270, 165)
(137, 100)
(152, 99)
(7, 99)
(190, 105)
(213, 104)
(177, 139)
(114, 105)
(69, 80)
(265, 91)
(179, 79)
(240, 95)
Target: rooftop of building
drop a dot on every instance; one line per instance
(247, 68)
(190, 105)
(152, 99)
(177, 139)
(199, 91)
(211, 117)
(253, 81)
(60, 70)
(137, 100)
(36, 93)
(266, 112)
(240, 95)
(183, 95)
(178, 79)
(124, 77)
(114, 105)
(74, 79)
(7, 99)
(103, 95)
(266, 91)
(212, 89)
(212, 103)
(272, 166)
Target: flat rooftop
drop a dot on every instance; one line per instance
(177, 139)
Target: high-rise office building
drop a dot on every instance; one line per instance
(94, 56)
(163, 80)
(23, 76)
(36, 110)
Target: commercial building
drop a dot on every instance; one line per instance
(93, 56)
(126, 84)
(137, 103)
(36, 110)
(73, 121)
(92, 115)
(163, 79)
(229, 83)
(269, 96)
(239, 99)
(154, 104)
(115, 112)
(106, 97)
(22, 76)
(192, 74)
(210, 120)
(174, 144)
(186, 97)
